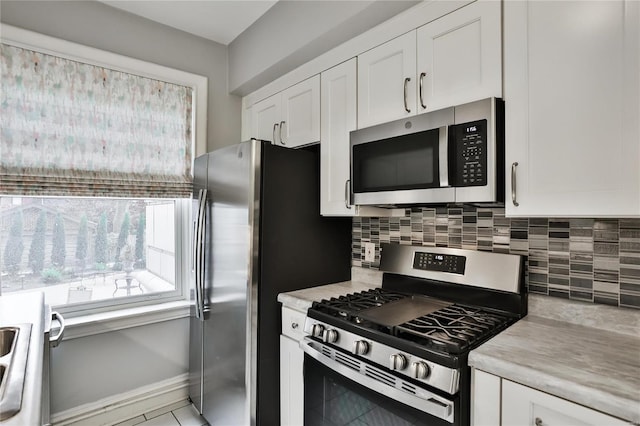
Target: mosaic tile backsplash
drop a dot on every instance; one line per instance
(593, 260)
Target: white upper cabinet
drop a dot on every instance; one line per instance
(460, 57)
(572, 108)
(265, 119)
(387, 81)
(338, 113)
(452, 60)
(338, 118)
(300, 124)
(290, 118)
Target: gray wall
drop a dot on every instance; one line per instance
(90, 368)
(294, 32)
(94, 24)
(87, 369)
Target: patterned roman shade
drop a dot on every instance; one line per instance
(74, 129)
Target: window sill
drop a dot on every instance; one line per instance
(89, 325)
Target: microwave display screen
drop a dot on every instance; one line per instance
(402, 162)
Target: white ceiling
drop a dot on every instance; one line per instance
(217, 20)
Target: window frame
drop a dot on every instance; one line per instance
(182, 214)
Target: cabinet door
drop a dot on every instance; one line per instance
(387, 81)
(460, 57)
(485, 398)
(291, 383)
(338, 118)
(266, 119)
(572, 108)
(300, 123)
(522, 405)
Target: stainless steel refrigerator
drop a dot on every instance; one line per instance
(257, 232)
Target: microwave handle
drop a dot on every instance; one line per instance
(443, 155)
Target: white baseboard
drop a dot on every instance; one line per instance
(124, 406)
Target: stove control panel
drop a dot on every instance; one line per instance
(439, 262)
(400, 363)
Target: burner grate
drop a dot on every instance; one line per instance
(348, 306)
(453, 329)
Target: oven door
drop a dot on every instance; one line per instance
(342, 390)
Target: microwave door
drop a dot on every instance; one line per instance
(404, 169)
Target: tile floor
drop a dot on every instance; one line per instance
(178, 414)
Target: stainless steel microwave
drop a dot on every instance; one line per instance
(452, 155)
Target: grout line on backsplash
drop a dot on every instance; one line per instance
(591, 260)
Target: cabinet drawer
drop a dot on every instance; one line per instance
(522, 405)
(293, 323)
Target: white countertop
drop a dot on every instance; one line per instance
(20, 309)
(361, 279)
(585, 353)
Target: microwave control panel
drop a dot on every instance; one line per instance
(439, 262)
(469, 145)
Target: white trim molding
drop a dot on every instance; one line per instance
(408, 20)
(124, 406)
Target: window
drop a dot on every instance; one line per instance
(95, 173)
(90, 252)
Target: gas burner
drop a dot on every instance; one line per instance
(456, 328)
(349, 305)
(450, 328)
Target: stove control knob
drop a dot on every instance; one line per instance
(420, 370)
(360, 347)
(330, 336)
(397, 362)
(317, 330)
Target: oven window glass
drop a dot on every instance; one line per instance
(403, 162)
(331, 399)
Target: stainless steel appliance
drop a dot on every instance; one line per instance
(454, 154)
(398, 354)
(258, 232)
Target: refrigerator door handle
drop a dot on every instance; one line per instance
(203, 226)
(194, 262)
(198, 253)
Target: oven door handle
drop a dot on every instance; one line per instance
(423, 400)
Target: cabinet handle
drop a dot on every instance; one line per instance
(406, 81)
(422, 76)
(538, 421)
(294, 325)
(275, 125)
(346, 194)
(282, 140)
(513, 184)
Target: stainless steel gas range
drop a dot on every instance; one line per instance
(398, 354)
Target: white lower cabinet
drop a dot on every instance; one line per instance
(291, 369)
(485, 394)
(497, 401)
